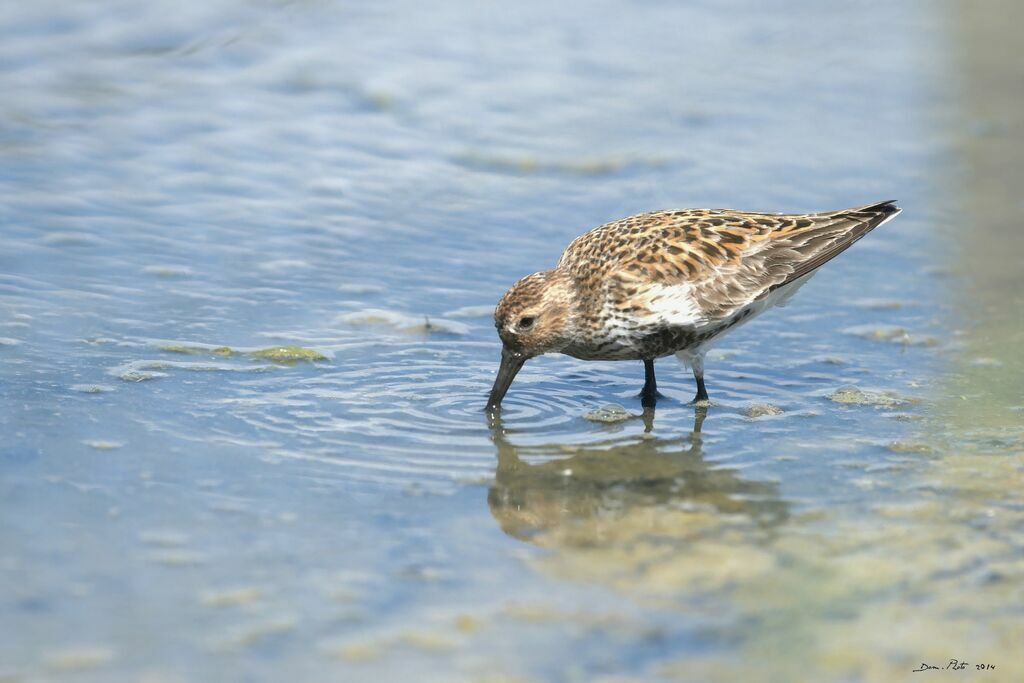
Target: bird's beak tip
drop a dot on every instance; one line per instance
(511, 362)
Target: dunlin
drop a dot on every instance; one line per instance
(668, 282)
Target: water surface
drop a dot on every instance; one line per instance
(185, 184)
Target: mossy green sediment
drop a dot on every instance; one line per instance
(197, 349)
(283, 354)
(280, 354)
(879, 399)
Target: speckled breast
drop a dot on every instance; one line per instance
(644, 344)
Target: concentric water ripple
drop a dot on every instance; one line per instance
(398, 417)
(399, 412)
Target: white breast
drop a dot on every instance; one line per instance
(669, 305)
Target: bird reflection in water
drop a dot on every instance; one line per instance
(598, 484)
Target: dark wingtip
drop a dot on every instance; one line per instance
(872, 215)
(885, 208)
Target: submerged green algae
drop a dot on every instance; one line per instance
(136, 375)
(284, 354)
(863, 397)
(278, 354)
(610, 413)
(199, 350)
(756, 410)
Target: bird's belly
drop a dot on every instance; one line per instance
(639, 343)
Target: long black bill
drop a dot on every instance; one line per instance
(511, 363)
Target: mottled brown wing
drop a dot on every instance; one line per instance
(725, 259)
(664, 246)
(796, 246)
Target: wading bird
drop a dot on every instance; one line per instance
(668, 282)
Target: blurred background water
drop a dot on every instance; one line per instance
(184, 184)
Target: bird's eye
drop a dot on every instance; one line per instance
(526, 322)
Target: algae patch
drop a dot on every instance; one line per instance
(862, 397)
(198, 349)
(278, 354)
(610, 413)
(103, 444)
(757, 410)
(286, 354)
(133, 375)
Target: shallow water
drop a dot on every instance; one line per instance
(365, 182)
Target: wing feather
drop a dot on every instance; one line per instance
(695, 265)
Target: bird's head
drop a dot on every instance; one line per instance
(535, 316)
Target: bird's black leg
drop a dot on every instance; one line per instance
(698, 374)
(702, 393)
(649, 394)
